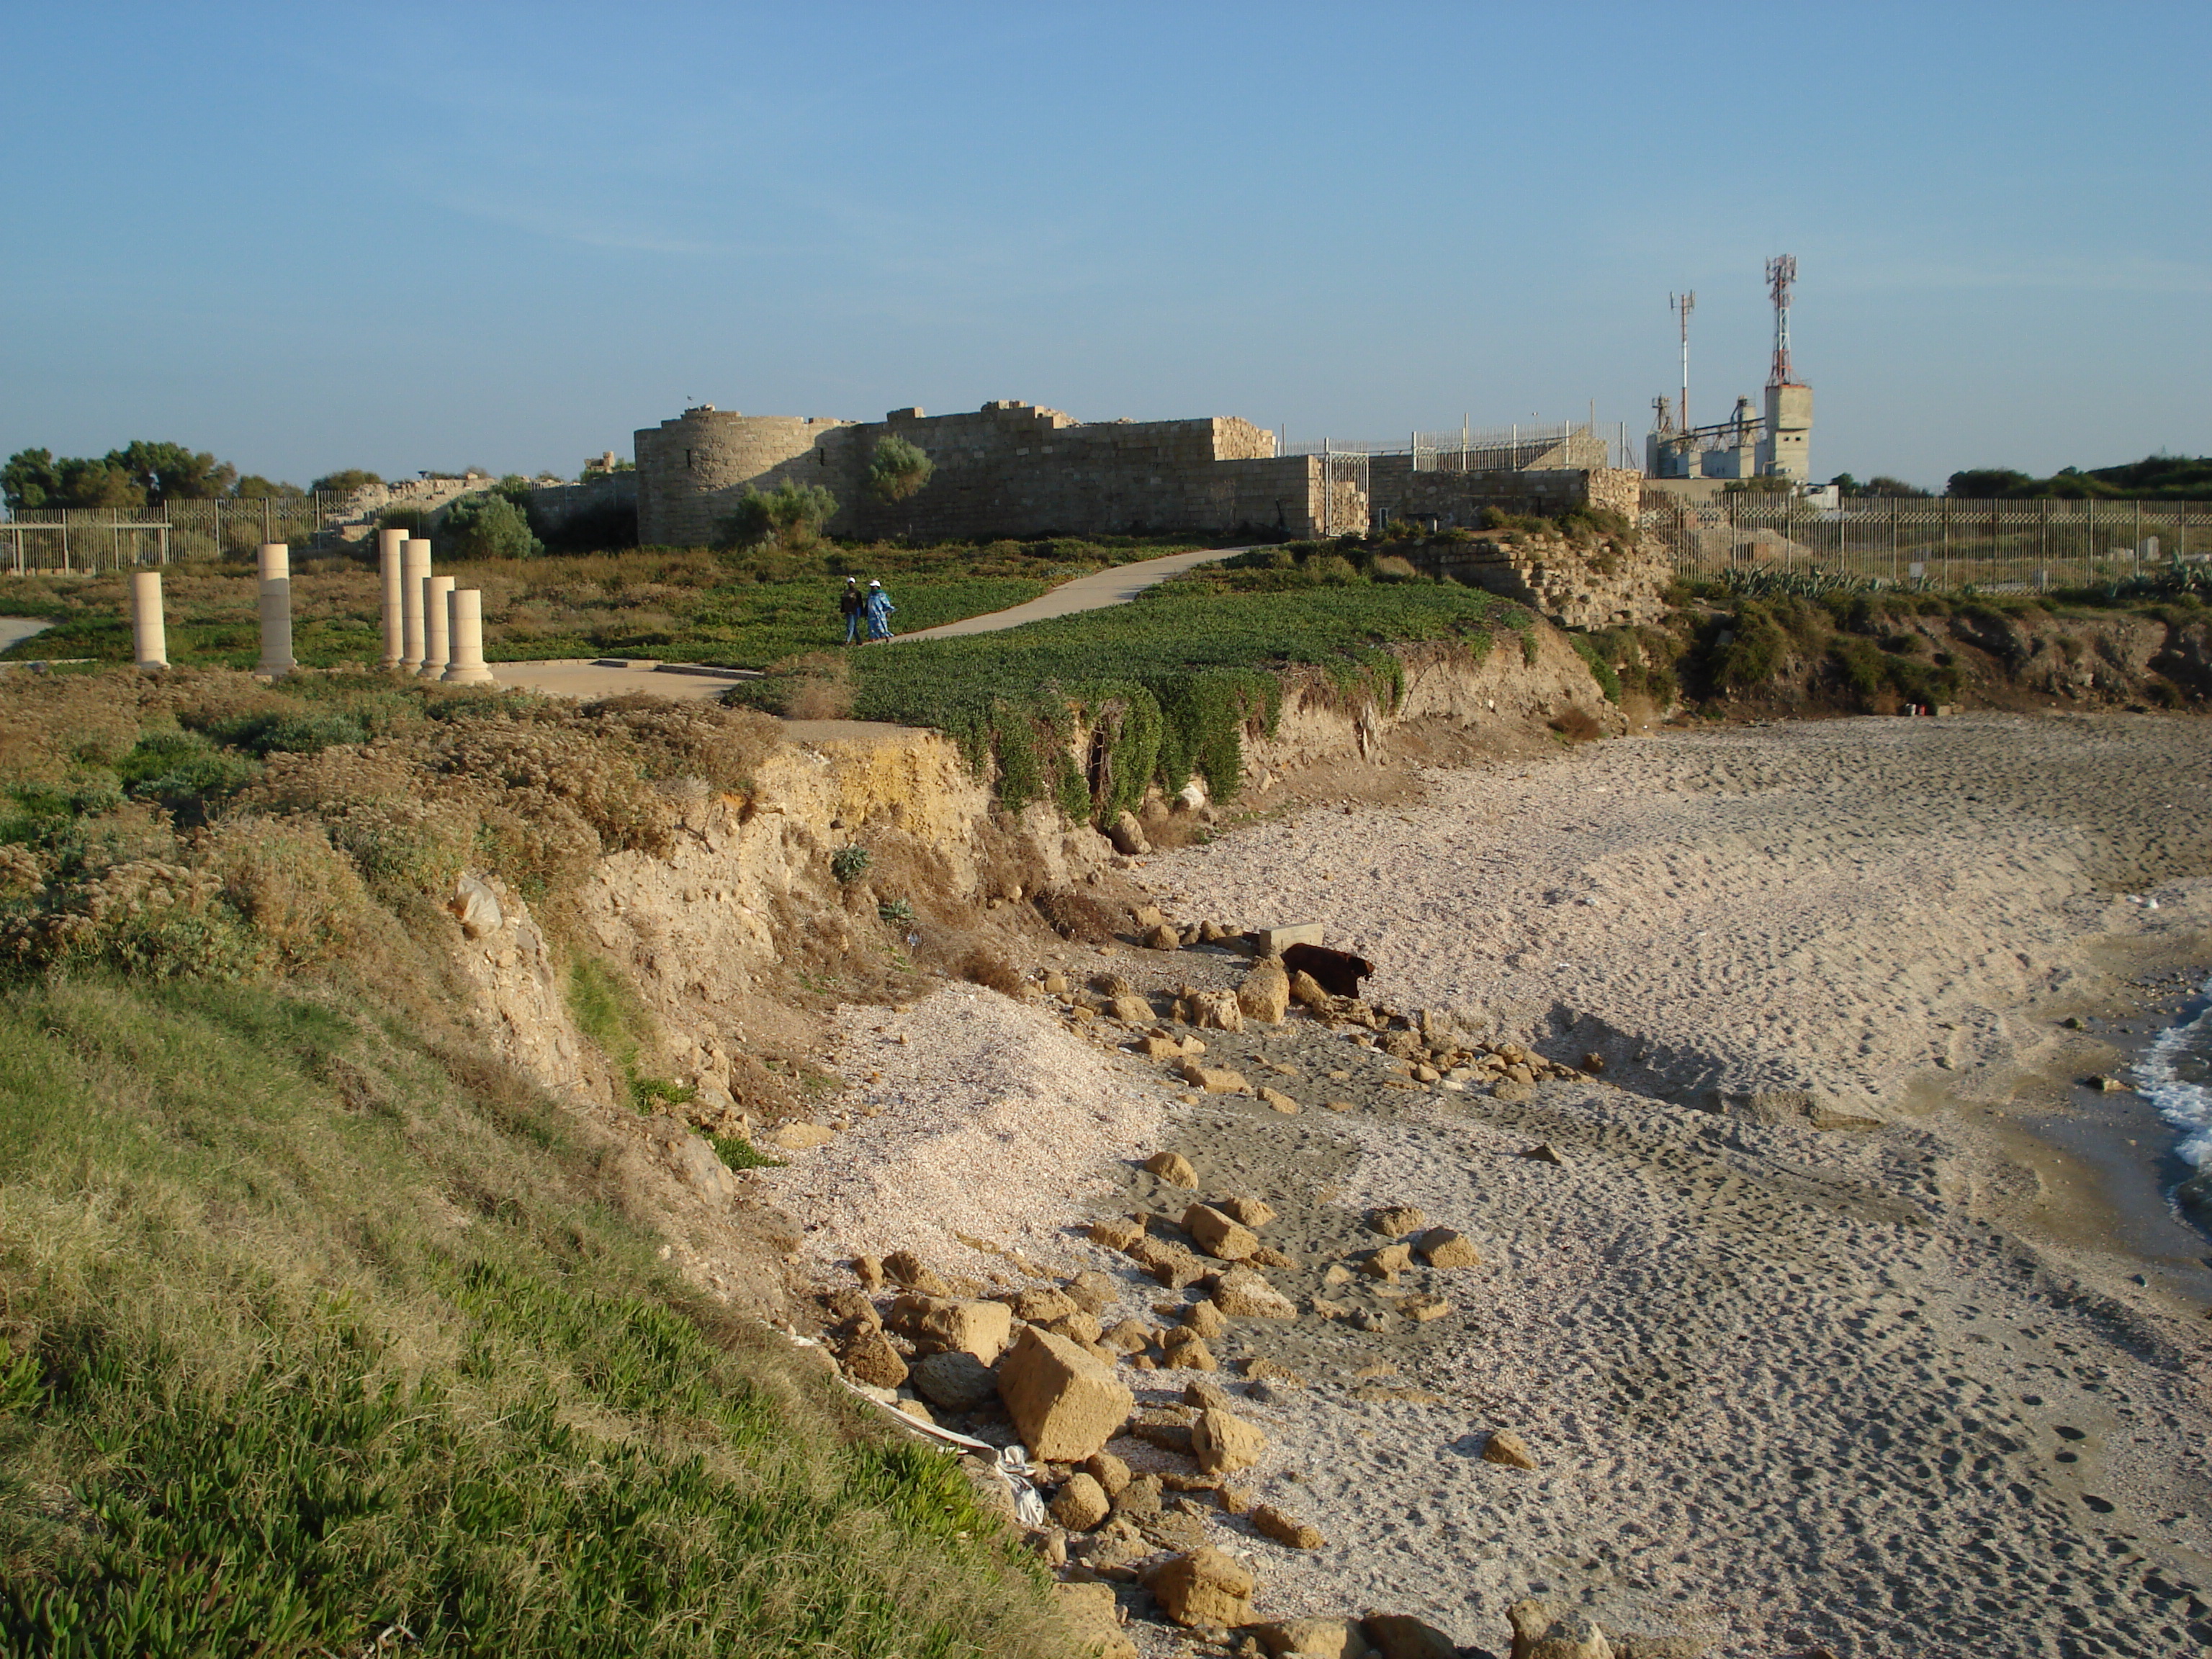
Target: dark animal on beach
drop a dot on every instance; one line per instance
(1337, 972)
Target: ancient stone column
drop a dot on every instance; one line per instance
(149, 634)
(391, 555)
(414, 568)
(437, 625)
(465, 632)
(277, 609)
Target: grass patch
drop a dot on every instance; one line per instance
(1165, 687)
(741, 1154)
(335, 1333)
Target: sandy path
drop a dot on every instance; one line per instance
(1093, 593)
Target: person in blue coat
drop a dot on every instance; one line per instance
(879, 607)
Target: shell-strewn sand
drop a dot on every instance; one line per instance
(1787, 1388)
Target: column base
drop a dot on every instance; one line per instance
(468, 677)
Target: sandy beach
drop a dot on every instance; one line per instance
(1898, 1386)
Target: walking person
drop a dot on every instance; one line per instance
(849, 604)
(879, 607)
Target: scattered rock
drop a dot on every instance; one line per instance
(1173, 1168)
(1131, 1009)
(1169, 1264)
(1096, 1616)
(1286, 1529)
(1163, 938)
(1400, 1636)
(937, 1325)
(1504, 1446)
(1108, 1471)
(1091, 1291)
(1635, 1646)
(798, 1136)
(1148, 916)
(1185, 1349)
(1216, 1011)
(905, 1267)
(1593, 1062)
(869, 1271)
(1261, 1369)
(1140, 1499)
(1242, 1294)
(1206, 1396)
(1267, 1256)
(955, 1380)
(1130, 1336)
(1396, 1221)
(852, 1308)
(1081, 1503)
(1205, 1318)
(1311, 1638)
(1542, 1153)
(1264, 995)
(1539, 1632)
(1168, 1436)
(1217, 1234)
(1422, 1309)
(1223, 1442)
(1214, 1082)
(1042, 1306)
(1250, 1211)
(914, 1409)
(869, 1358)
(1055, 984)
(1202, 1587)
(1281, 1102)
(1440, 1247)
(1076, 1325)
(1118, 1232)
(1387, 1262)
(1127, 834)
(1511, 1093)
(1307, 992)
(1066, 1404)
(1159, 1048)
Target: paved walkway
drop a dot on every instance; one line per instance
(1093, 593)
(13, 630)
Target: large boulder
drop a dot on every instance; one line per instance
(1400, 1636)
(1095, 1618)
(1127, 834)
(1223, 1444)
(1311, 1639)
(869, 1358)
(1081, 1503)
(1541, 1632)
(1242, 1294)
(1202, 1587)
(1217, 1234)
(940, 1325)
(955, 1380)
(1217, 1011)
(1441, 1246)
(1173, 1168)
(1264, 995)
(1066, 1404)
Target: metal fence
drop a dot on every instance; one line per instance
(1481, 449)
(1993, 546)
(86, 540)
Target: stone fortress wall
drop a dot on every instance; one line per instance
(1008, 468)
(1018, 468)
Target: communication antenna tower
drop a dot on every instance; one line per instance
(1781, 278)
(1683, 305)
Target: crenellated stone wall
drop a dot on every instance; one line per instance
(1453, 498)
(1008, 468)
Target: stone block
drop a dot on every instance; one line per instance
(1311, 1638)
(1273, 941)
(1202, 1587)
(1066, 1404)
(1223, 1444)
(940, 1325)
(1217, 1234)
(1441, 1246)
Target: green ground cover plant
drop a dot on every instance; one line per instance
(748, 607)
(324, 1331)
(1166, 685)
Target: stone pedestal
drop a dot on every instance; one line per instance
(464, 631)
(391, 555)
(437, 625)
(149, 633)
(414, 570)
(277, 609)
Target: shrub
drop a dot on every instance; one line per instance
(1075, 916)
(1576, 726)
(897, 471)
(849, 864)
(791, 515)
(489, 526)
(992, 970)
(344, 481)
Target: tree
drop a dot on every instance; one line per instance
(100, 484)
(30, 480)
(171, 473)
(791, 515)
(898, 469)
(253, 487)
(1984, 484)
(344, 481)
(487, 526)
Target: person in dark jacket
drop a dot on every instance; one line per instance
(851, 605)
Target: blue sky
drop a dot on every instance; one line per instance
(403, 237)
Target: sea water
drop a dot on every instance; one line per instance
(2175, 1075)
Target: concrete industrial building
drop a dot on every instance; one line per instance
(1773, 443)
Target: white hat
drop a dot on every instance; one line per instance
(872, 582)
